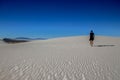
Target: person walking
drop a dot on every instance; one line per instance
(92, 36)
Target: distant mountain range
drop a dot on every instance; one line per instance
(25, 38)
(20, 39)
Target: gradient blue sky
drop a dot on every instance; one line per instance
(58, 18)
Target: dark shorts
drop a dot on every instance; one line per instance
(91, 39)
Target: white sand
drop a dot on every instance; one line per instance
(69, 58)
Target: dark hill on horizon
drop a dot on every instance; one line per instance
(25, 38)
(20, 39)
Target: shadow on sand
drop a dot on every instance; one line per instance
(104, 45)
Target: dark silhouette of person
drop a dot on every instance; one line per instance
(92, 36)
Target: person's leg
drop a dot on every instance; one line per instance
(91, 43)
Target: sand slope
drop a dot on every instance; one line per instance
(69, 58)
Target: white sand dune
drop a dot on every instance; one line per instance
(70, 58)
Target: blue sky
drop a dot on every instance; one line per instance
(58, 18)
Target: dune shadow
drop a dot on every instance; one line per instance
(104, 45)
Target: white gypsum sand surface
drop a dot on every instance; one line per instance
(67, 58)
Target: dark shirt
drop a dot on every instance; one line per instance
(91, 36)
